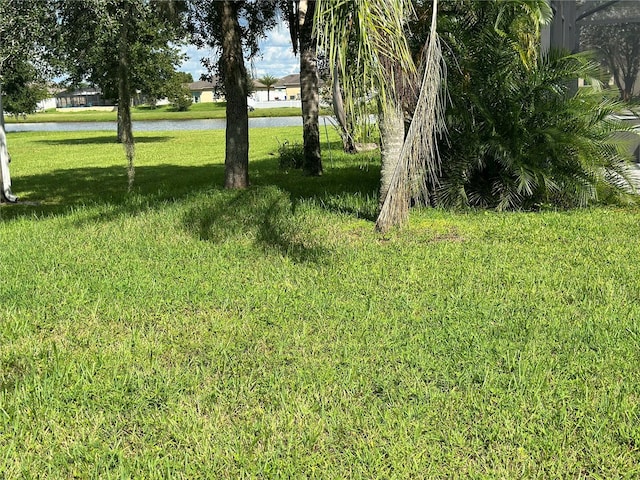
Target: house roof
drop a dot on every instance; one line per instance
(201, 85)
(292, 80)
(79, 92)
(53, 89)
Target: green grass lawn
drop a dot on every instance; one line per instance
(197, 111)
(184, 331)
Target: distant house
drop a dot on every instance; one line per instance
(204, 92)
(85, 97)
(50, 102)
(259, 93)
(288, 88)
(46, 104)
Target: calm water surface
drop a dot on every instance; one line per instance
(152, 126)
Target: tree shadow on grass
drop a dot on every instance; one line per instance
(264, 215)
(346, 189)
(61, 191)
(266, 212)
(103, 140)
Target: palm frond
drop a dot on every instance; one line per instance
(356, 36)
(518, 138)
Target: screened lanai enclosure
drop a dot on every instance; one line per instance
(611, 28)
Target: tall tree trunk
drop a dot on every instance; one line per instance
(392, 137)
(125, 128)
(630, 76)
(312, 163)
(236, 160)
(618, 81)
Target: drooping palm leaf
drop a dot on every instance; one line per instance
(357, 35)
(520, 140)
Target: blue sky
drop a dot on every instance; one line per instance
(275, 58)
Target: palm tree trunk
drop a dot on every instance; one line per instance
(416, 167)
(312, 163)
(236, 161)
(392, 139)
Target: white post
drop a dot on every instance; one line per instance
(1, 109)
(545, 40)
(5, 176)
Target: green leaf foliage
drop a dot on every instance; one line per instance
(91, 39)
(257, 18)
(291, 155)
(21, 90)
(28, 32)
(518, 136)
(365, 40)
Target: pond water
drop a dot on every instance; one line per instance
(154, 126)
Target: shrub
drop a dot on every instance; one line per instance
(291, 155)
(519, 136)
(181, 100)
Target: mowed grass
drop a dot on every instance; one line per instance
(184, 331)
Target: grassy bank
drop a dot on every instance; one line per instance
(198, 111)
(184, 331)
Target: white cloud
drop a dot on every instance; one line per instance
(192, 64)
(280, 36)
(275, 58)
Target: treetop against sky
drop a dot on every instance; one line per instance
(276, 56)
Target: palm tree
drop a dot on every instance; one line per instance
(268, 81)
(382, 63)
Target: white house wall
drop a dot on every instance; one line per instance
(46, 104)
(261, 96)
(278, 94)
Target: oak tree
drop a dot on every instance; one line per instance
(232, 29)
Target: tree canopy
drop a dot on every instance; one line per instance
(22, 88)
(28, 39)
(91, 39)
